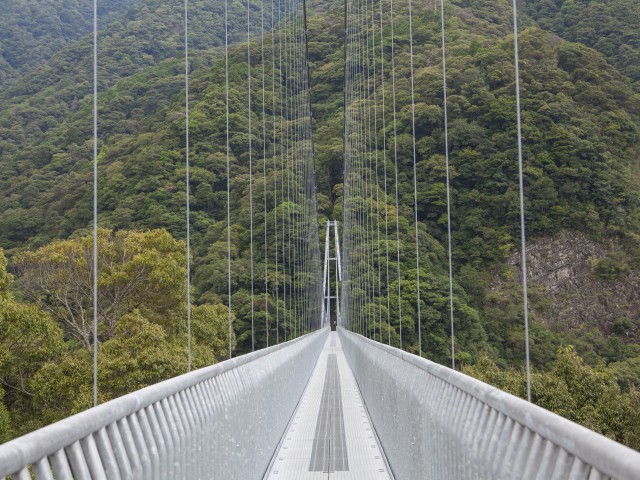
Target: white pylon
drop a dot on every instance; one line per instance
(326, 284)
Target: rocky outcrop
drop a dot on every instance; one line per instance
(586, 283)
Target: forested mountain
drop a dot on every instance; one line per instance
(608, 27)
(581, 126)
(32, 32)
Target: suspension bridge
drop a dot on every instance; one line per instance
(332, 398)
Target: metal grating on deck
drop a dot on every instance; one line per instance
(330, 436)
(329, 453)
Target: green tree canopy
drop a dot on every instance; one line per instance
(136, 270)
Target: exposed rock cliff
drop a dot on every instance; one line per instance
(586, 283)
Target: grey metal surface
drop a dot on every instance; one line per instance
(221, 422)
(293, 458)
(434, 422)
(329, 451)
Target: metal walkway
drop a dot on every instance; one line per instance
(297, 411)
(330, 435)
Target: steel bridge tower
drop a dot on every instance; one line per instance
(326, 277)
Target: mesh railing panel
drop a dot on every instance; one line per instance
(437, 423)
(221, 422)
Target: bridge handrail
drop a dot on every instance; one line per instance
(440, 407)
(93, 443)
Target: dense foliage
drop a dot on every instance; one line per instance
(580, 118)
(586, 395)
(609, 27)
(31, 33)
(45, 340)
(581, 148)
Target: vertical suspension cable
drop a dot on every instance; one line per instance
(187, 179)
(264, 178)
(304, 132)
(298, 143)
(353, 195)
(310, 223)
(297, 182)
(362, 148)
(446, 157)
(292, 178)
(95, 202)
(345, 243)
(289, 102)
(370, 210)
(374, 238)
(356, 168)
(362, 154)
(253, 334)
(275, 167)
(415, 176)
(226, 76)
(395, 163)
(384, 162)
(284, 153)
(362, 171)
(355, 106)
(314, 254)
(521, 182)
(283, 114)
(377, 183)
(295, 156)
(352, 157)
(300, 162)
(371, 279)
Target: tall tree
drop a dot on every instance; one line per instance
(136, 270)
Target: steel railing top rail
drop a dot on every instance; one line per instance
(608, 456)
(32, 447)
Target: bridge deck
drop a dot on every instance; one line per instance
(330, 436)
